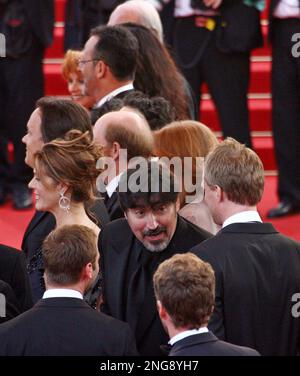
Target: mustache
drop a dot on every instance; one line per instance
(155, 232)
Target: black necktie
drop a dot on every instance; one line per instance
(146, 264)
(105, 196)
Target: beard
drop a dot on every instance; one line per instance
(156, 245)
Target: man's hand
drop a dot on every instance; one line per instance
(213, 3)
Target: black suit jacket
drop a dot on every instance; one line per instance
(65, 327)
(96, 113)
(273, 5)
(115, 246)
(206, 344)
(8, 302)
(257, 272)
(41, 18)
(240, 29)
(113, 207)
(13, 272)
(237, 28)
(42, 223)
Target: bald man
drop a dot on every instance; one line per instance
(123, 135)
(139, 12)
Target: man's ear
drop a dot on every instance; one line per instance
(177, 204)
(115, 150)
(161, 310)
(219, 193)
(87, 272)
(100, 69)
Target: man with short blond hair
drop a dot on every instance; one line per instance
(250, 258)
(238, 171)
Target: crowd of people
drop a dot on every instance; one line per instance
(146, 239)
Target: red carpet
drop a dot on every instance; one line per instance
(13, 223)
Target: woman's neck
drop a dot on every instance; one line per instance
(76, 215)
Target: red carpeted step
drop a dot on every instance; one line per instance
(259, 82)
(264, 13)
(260, 79)
(56, 50)
(264, 147)
(265, 50)
(260, 114)
(54, 83)
(60, 10)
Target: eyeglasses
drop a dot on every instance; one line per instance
(82, 62)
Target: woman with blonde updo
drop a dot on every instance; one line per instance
(192, 139)
(64, 179)
(74, 78)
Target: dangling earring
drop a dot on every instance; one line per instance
(64, 202)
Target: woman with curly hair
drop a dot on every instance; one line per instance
(64, 180)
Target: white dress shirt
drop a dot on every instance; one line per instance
(62, 293)
(112, 186)
(187, 333)
(182, 8)
(287, 9)
(243, 217)
(113, 93)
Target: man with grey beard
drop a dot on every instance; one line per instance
(132, 248)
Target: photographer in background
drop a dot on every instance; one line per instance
(212, 40)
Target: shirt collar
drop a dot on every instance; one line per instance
(243, 217)
(112, 186)
(62, 293)
(187, 333)
(113, 93)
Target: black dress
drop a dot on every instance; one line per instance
(35, 270)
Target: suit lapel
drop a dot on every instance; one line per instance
(120, 254)
(36, 219)
(111, 202)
